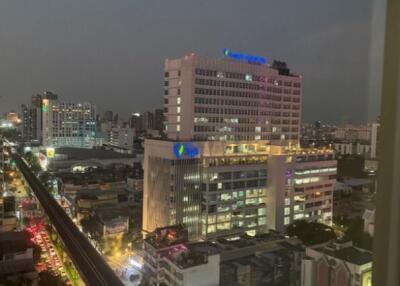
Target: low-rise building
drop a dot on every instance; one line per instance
(170, 259)
(112, 221)
(269, 259)
(16, 259)
(336, 265)
(266, 259)
(69, 159)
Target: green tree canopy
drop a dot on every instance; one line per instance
(355, 233)
(310, 232)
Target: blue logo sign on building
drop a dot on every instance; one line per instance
(185, 150)
(245, 57)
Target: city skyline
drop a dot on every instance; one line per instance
(117, 52)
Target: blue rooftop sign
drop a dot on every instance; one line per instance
(185, 150)
(244, 57)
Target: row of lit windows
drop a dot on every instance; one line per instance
(315, 171)
(245, 76)
(244, 94)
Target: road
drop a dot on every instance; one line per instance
(91, 266)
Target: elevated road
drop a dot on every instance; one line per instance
(90, 264)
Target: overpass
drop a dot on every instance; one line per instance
(89, 263)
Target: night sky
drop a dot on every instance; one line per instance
(112, 53)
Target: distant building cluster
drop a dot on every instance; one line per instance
(345, 139)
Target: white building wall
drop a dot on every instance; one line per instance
(272, 112)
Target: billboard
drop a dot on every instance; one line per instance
(50, 152)
(367, 278)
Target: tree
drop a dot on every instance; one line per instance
(89, 225)
(33, 162)
(355, 233)
(48, 279)
(310, 232)
(47, 181)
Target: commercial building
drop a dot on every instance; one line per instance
(48, 122)
(32, 117)
(80, 159)
(170, 259)
(232, 162)
(302, 182)
(222, 188)
(229, 99)
(121, 139)
(337, 265)
(69, 124)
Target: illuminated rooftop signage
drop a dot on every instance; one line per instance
(185, 150)
(244, 57)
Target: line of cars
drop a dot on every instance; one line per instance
(49, 257)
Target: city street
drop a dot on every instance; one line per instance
(49, 259)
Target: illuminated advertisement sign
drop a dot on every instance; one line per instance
(367, 278)
(185, 150)
(45, 105)
(245, 57)
(50, 152)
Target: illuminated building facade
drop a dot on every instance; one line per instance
(220, 188)
(237, 97)
(32, 117)
(232, 163)
(303, 183)
(51, 123)
(68, 124)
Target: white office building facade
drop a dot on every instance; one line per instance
(68, 124)
(224, 99)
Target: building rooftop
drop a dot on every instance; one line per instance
(109, 213)
(86, 154)
(186, 255)
(350, 254)
(97, 176)
(167, 236)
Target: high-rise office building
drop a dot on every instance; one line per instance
(32, 120)
(48, 122)
(227, 99)
(68, 124)
(232, 162)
